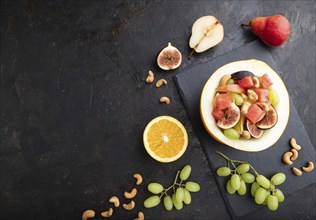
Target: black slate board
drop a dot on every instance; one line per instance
(190, 84)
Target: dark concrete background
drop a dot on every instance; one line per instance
(74, 103)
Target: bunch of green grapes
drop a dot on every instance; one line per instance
(262, 189)
(181, 192)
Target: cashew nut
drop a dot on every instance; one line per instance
(107, 213)
(252, 95)
(150, 78)
(295, 154)
(296, 171)
(165, 100)
(286, 157)
(139, 178)
(256, 82)
(244, 108)
(161, 82)
(140, 216)
(224, 80)
(130, 195)
(245, 97)
(115, 201)
(309, 168)
(294, 144)
(88, 214)
(129, 206)
(245, 135)
(264, 106)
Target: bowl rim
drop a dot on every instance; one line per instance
(245, 145)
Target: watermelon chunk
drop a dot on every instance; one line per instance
(218, 114)
(246, 82)
(223, 101)
(265, 81)
(262, 95)
(255, 113)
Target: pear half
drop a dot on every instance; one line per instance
(207, 32)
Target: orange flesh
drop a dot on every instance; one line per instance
(165, 139)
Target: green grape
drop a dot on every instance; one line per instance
(254, 187)
(235, 181)
(243, 189)
(263, 181)
(273, 97)
(192, 187)
(232, 133)
(223, 171)
(243, 168)
(180, 194)
(278, 178)
(187, 197)
(272, 202)
(155, 188)
(260, 195)
(237, 98)
(247, 177)
(185, 172)
(230, 81)
(178, 205)
(229, 188)
(278, 193)
(167, 201)
(151, 202)
(265, 200)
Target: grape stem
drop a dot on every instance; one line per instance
(172, 186)
(237, 161)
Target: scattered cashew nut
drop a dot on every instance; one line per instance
(296, 171)
(294, 144)
(161, 82)
(165, 100)
(129, 206)
(309, 168)
(88, 214)
(130, 195)
(140, 216)
(107, 213)
(286, 158)
(245, 135)
(256, 82)
(139, 178)
(224, 80)
(252, 95)
(295, 154)
(115, 201)
(244, 108)
(150, 78)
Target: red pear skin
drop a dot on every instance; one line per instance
(273, 30)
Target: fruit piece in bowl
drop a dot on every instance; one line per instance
(245, 98)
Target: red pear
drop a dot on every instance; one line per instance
(273, 30)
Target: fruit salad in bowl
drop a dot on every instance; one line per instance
(245, 105)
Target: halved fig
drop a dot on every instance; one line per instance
(242, 74)
(269, 120)
(253, 130)
(169, 58)
(232, 115)
(231, 88)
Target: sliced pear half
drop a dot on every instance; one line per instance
(207, 32)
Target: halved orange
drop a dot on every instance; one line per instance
(165, 139)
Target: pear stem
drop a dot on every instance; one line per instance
(245, 25)
(190, 55)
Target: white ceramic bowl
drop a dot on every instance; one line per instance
(270, 136)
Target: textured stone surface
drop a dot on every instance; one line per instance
(74, 103)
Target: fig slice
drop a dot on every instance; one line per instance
(253, 130)
(231, 118)
(242, 74)
(169, 58)
(269, 120)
